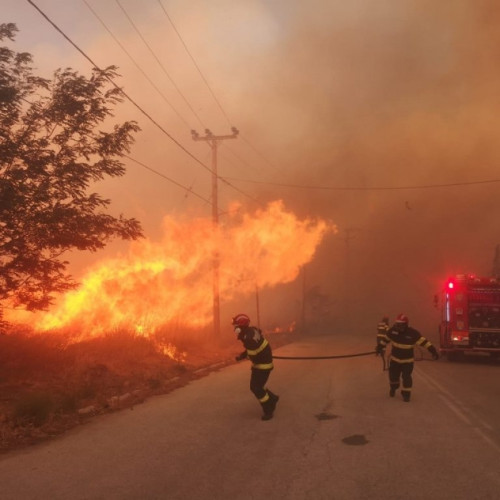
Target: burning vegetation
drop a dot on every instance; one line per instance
(169, 283)
(142, 323)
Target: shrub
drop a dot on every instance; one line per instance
(33, 408)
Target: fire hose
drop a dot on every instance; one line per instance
(338, 356)
(325, 357)
(382, 355)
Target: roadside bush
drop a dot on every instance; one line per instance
(33, 408)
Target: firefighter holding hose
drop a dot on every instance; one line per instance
(258, 351)
(382, 328)
(403, 339)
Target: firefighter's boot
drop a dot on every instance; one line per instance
(406, 396)
(269, 405)
(273, 398)
(268, 414)
(393, 388)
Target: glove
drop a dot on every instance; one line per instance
(240, 357)
(379, 349)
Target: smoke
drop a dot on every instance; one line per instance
(389, 94)
(358, 94)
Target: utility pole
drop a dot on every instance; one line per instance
(213, 141)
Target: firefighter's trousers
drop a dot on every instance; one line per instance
(266, 398)
(258, 383)
(403, 371)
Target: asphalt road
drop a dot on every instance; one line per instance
(336, 435)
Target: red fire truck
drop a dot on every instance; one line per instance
(470, 321)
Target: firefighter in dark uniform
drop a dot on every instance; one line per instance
(258, 351)
(403, 339)
(382, 329)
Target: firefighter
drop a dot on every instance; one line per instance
(258, 350)
(403, 339)
(382, 329)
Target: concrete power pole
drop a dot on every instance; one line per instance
(213, 141)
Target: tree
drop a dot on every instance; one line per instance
(53, 145)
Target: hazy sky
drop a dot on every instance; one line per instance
(334, 100)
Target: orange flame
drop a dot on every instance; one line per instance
(172, 352)
(172, 280)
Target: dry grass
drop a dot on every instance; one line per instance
(49, 385)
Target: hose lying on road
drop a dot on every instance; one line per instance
(326, 357)
(384, 366)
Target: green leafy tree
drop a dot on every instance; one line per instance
(53, 145)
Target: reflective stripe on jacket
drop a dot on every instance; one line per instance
(403, 344)
(381, 331)
(257, 348)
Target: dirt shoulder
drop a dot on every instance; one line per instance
(47, 388)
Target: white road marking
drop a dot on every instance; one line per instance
(468, 416)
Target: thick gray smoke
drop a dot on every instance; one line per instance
(355, 96)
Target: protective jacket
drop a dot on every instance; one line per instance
(403, 344)
(382, 329)
(257, 348)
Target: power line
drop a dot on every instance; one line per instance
(380, 188)
(135, 63)
(208, 85)
(193, 60)
(134, 103)
(159, 62)
(238, 157)
(261, 155)
(152, 83)
(188, 190)
(145, 113)
(195, 63)
(202, 76)
(224, 179)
